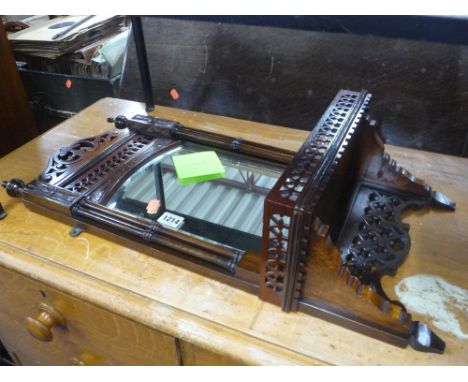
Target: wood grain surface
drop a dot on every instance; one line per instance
(17, 121)
(206, 313)
(90, 333)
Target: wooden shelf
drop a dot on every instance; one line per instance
(201, 312)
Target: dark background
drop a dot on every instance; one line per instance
(285, 70)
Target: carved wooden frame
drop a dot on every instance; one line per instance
(331, 223)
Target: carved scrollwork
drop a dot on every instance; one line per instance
(381, 243)
(66, 157)
(124, 153)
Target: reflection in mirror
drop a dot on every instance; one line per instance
(227, 211)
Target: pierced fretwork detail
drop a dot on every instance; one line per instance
(120, 156)
(278, 243)
(68, 156)
(297, 193)
(334, 213)
(382, 242)
(311, 155)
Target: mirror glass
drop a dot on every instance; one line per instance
(227, 211)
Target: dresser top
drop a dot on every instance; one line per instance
(221, 318)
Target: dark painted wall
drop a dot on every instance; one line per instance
(288, 77)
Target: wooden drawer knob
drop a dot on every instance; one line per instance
(75, 361)
(41, 327)
(84, 359)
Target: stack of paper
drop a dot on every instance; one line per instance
(45, 39)
(101, 59)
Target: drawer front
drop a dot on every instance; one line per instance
(90, 335)
(196, 356)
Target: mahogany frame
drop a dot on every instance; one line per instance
(331, 223)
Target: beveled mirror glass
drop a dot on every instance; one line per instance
(227, 211)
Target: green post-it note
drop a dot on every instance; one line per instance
(198, 167)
